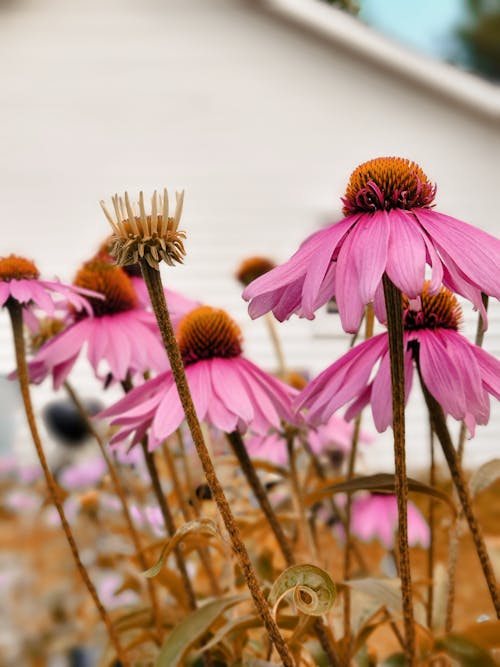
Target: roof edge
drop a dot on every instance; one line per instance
(341, 28)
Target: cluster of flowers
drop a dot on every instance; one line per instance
(390, 234)
(389, 228)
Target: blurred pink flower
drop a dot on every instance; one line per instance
(119, 335)
(83, 474)
(228, 391)
(335, 435)
(375, 516)
(457, 373)
(390, 228)
(19, 280)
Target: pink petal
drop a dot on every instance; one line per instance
(407, 252)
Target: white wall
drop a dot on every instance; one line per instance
(259, 121)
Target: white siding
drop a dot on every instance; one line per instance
(260, 121)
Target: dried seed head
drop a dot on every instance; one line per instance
(252, 268)
(104, 253)
(152, 236)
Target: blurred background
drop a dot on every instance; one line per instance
(260, 110)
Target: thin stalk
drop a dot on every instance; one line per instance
(278, 348)
(305, 527)
(237, 445)
(432, 530)
(336, 511)
(157, 296)
(394, 308)
(16, 317)
(120, 492)
(187, 472)
(169, 521)
(461, 486)
(187, 514)
(346, 568)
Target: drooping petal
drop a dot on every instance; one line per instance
(347, 279)
(407, 252)
(368, 250)
(475, 252)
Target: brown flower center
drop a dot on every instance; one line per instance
(112, 282)
(205, 333)
(252, 268)
(17, 268)
(385, 183)
(438, 311)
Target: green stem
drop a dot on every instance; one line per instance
(394, 308)
(16, 316)
(157, 296)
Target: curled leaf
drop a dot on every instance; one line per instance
(203, 526)
(313, 589)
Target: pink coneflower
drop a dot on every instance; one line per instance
(20, 280)
(334, 436)
(228, 391)
(375, 516)
(390, 228)
(119, 334)
(457, 373)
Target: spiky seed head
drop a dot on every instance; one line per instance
(151, 236)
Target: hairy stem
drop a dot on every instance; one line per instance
(432, 530)
(240, 451)
(157, 296)
(15, 312)
(394, 308)
(461, 486)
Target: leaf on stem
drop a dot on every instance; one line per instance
(314, 592)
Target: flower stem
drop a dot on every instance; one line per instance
(16, 316)
(169, 521)
(432, 531)
(157, 296)
(394, 308)
(240, 451)
(454, 547)
(187, 514)
(120, 492)
(278, 348)
(441, 430)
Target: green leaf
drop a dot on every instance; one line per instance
(484, 476)
(313, 589)
(379, 483)
(203, 526)
(464, 651)
(192, 628)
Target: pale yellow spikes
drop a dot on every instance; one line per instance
(164, 220)
(144, 221)
(109, 218)
(154, 213)
(179, 200)
(131, 215)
